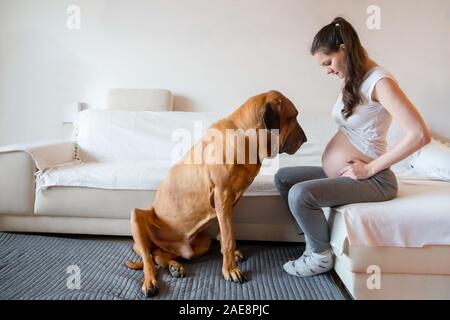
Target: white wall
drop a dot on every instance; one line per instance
(213, 54)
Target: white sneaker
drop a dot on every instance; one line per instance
(310, 264)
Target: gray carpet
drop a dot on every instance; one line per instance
(35, 267)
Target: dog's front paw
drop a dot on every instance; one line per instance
(150, 288)
(235, 275)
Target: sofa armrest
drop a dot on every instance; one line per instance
(17, 183)
(18, 165)
(46, 154)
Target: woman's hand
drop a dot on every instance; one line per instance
(357, 169)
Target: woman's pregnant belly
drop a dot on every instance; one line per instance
(338, 151)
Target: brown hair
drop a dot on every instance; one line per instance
(328, 40)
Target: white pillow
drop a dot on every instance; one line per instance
(433, 160)
(139, 100)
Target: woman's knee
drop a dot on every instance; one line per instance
(389, 186)
(281, 178)
(392, 192)
(301, 193)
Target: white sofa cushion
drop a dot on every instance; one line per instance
(126, 175)
(418, 217)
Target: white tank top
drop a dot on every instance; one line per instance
(369, 123)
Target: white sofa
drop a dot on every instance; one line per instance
(117, 158)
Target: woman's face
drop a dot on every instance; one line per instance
(333, 63)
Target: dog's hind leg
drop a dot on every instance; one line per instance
(140, 227)
(201, 244)
(166, 260)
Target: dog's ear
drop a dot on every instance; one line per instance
(271, 114)
(271, 122)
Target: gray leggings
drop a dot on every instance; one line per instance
(307, 189)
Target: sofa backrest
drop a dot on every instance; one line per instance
(117, 136)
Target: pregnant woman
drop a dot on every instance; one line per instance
(356, 163)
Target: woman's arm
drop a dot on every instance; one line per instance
(417, 135)
(394, 100)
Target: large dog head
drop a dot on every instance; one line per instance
(278, 113)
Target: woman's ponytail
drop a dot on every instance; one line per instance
(328, 40)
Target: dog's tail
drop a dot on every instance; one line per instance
(134, 265)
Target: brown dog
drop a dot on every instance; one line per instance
(193, 194)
